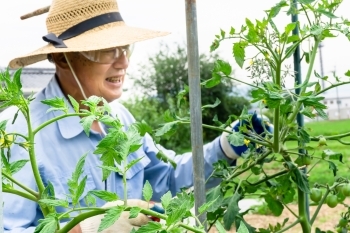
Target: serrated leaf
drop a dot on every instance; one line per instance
(79, 191)
(47, 225)
(143, 128)
(110, 217)
(74, 103)
(166, 129)
(222, 66)
(134, 211)
(274, 205)
(147, 191)
(17, 165)
(332, 155)
(165, 199)
(207, 205)
(212, 82)
(239, 53)
(90, 200)
(56, 104)
(53, 202)
(236, 139)
(306, 1)
(87, 122)
(104, 195)
(132, 163)
(232, 31)
(150, 227)
(347, 73)
(232, 211)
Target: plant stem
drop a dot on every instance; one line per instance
(29, 190)
(291, 211)
(288, 227)
(294, 114)
(43, 125)
(330, 87)
(20, 193)
(125, 187)
(270, 177)
(304, 221)
(319, 206)
(77, 209)
(276, 118)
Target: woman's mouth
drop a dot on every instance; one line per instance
(114, 79)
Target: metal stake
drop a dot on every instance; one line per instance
(195, 106)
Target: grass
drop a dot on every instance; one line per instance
(320, 173)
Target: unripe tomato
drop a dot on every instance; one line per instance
(343, 222)
(322, 141)
(331, 200)
(315, 195)
(345, 189)
(340, 197)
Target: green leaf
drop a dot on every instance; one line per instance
(222, 66)
(87, 122)
(167, 129)
(132, 163)
(212, 82)
(179, 207)
(110, 217)
(222, 33)
(236, 139)
(232, 211)
(347, 73)
(17, 165)
(274, 205)
(104, 195)
(217, 102)
(57, 104)
(293, 38)
(332, 155)
(326, 13)
(206, 206)
(219, 227)
(289, 28)
(215, 194)
(134, 211)
(150, 227)
(57, 202)
(90, 200)
(299, 177)
(143, 128)
(242, 228)
(239, 53)
(47, 225)
(147, 191)
(79, 191)
(166, 199)
(232, 31)
(306, 1)
(333, 168)
(74, 103)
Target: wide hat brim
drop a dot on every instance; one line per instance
(107, 36)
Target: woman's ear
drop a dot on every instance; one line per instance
(59, 60)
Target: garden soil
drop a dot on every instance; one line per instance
(327, 218)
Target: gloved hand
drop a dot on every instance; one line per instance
(123, 225)
(258, 122)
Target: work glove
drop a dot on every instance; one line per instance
(258, 122)
(124, 224)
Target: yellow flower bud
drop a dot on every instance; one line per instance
(246, 142)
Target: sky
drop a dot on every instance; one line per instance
(21, 37)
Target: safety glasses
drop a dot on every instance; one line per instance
(108, 56)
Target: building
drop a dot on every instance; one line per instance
(337, 101)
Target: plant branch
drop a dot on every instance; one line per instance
(291, 211)
(293, 115)
(251, 85)
(20, 193)
(332, 86)
(270, 177)
(303, 218)
(288, 227)
(43, 125)
(29, 190)
(319, 206)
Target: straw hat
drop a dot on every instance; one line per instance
(84, 25)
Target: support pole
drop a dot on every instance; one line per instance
(195, 106)
(297, 71)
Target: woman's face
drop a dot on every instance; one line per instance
(104, 80)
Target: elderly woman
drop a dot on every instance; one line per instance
(90, 44)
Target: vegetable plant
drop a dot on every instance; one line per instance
(289, 147)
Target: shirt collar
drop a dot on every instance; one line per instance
(69, 127)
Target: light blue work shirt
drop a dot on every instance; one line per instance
(60, 145)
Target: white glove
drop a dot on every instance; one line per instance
(123, 225)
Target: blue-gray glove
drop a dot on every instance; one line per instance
(258, 123)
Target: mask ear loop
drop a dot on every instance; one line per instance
(82, 91)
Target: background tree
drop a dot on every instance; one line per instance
(165, 75)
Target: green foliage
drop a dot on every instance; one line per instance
(163, 83)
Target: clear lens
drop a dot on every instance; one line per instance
(108, 56)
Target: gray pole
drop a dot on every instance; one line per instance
(195, 105)
(297, 71)
(321, 64)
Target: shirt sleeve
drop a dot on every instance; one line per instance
(163, 177)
